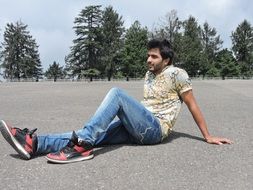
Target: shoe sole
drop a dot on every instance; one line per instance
(79, 159)
(12, 141)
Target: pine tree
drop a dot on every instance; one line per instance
(90, 73)
(191, 51)
(227, 64)
(20, 53)
(55, 71)
(86, 49)
(242, 46)
(112, 29)
(211, 45)
(135, 51)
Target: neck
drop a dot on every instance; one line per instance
(160, 71)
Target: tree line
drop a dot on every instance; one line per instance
(104, 48)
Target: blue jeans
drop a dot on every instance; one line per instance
(134, 124)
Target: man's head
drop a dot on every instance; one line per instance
(160, 55)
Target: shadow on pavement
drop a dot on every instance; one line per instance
(108, 148)
(174, 135)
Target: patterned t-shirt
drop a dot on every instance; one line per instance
(162, 95)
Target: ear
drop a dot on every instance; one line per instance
(167, 61)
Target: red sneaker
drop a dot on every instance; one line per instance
(24, 141)
(76, 150)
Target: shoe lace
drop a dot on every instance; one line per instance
(72, 143)
(27, 131)
(75, 141)
(69, 146)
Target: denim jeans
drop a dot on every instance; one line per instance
(119, 119)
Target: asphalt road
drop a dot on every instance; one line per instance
(184, 161)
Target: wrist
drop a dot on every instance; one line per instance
(207, 137)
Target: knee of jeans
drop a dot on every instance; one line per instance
(115, 90)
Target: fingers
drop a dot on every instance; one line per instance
(226, 141)
(219, 141)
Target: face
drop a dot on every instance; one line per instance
(155, 61)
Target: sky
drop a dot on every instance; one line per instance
(50, 22)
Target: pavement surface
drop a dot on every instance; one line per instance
(184, 161)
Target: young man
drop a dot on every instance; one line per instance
(149, 122)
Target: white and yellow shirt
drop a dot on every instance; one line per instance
(162, 95)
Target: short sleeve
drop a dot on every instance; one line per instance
(183, 82)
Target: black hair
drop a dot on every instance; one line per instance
(164, 46)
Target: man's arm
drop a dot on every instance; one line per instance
(193, 107)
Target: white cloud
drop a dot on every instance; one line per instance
(218, 6)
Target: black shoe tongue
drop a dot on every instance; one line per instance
(74, 138)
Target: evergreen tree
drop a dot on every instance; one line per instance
(55, 71)
(191, 54)
(91, 73)
(85, 53)
(20, 53)
(242, 46)
(211, 45)
(227, 64)
(135, 51)
(112, 29)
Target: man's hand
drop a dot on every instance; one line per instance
(218, 140)
(191, 103)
